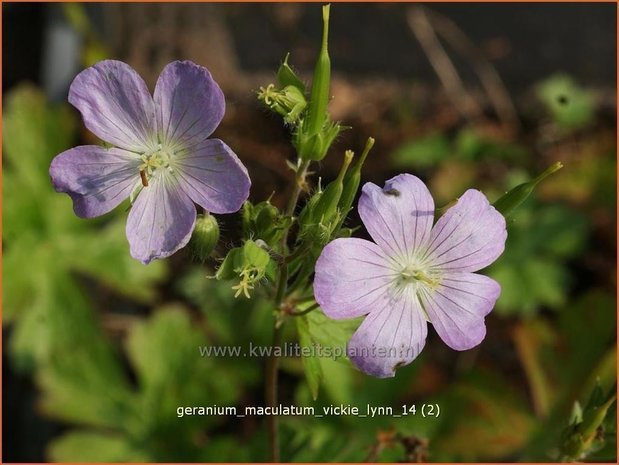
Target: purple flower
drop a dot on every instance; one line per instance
(162, 156)
(413, 274)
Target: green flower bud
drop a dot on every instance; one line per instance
(204, 237)
(317, 133)
(582, 437)
(515, 197)
(319, 97)
(352, 180)
(287, 77)
(247, 216)
(316, 146)
(266, 218)
(264, 221)
(327, 205)
(306, 216)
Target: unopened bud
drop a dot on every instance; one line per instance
(515, 197)
(352, 180)
(321, 82)
(327, 205)
(205, 236)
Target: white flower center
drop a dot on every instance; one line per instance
(161, 158)
(415, 275)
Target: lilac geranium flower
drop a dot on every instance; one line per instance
(412, 274)
(162, 156)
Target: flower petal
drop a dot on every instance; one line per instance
(398, 217)
(96, 178)
(116, 105)
(457, 307)
(213, 177)
(190, 104)
(161, 220)
(352, 276)
(468, 237)
(389, 337)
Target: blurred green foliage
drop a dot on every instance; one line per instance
(569, 105)
(46, 247)
(114, 345)
(318, 332)
(541, 241)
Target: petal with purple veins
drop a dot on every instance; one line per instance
(161, 220)
(116, 105)
(213, 177)
(457, 307)
(190, 104)
(390, 337)
(468, 237)
(399, 216)
(352, 278)
(96, 178)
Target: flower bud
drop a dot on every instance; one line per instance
(327, 205)
(316, 146)
(317, 132)
(205, 236)
(319, 97)
(264, 221)
(515, 197)
(306, 216)
(582, 437)
(352, 181)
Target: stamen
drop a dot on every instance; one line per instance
(410, 275)
(144, 178)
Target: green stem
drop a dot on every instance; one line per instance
(296, 192)
(301, 279)
(278, 330)
(271, 393)
(306, 311)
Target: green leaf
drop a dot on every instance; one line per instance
(150, 342)
(80, 374)
(326, 340)
(311, 364)
(34, 131)
(84, 446)
(489, 420)
(108, 260)
(331, 335)
(540, 240)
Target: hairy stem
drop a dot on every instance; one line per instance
(278, 330)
